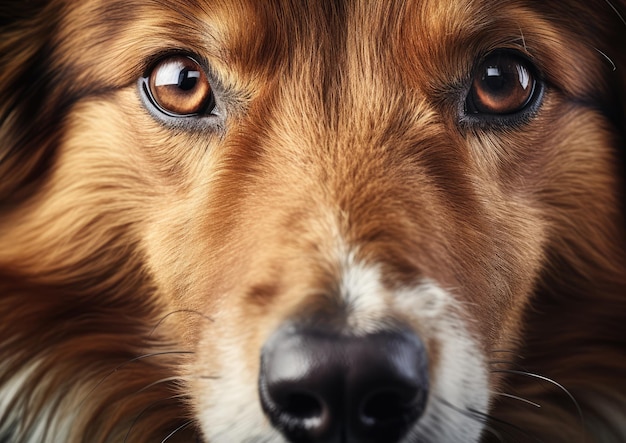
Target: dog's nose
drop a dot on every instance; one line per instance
(321, 387)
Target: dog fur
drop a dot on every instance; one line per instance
(145, 260)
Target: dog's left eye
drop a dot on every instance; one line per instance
(502, 84)
(178, 86)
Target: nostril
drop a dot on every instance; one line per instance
(301, 414)
(390, 406)
(302, 406)
(382, 407)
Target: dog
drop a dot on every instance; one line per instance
(312, 221)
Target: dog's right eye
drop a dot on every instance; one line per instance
(178, 86)
(503, 85)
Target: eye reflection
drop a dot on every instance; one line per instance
(178, 86)
(502, 84)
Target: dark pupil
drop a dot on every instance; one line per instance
(187, 79)
(498, 80)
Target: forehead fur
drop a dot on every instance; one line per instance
(328, 42)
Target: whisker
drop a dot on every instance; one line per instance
(616, 11)
(179, 311)
(178, 429)
(126, 363)
(485, 419)
(515, 397)
(146, 409)
(494, 432)
(512, 363)
(158, 382)
(608, 58)
(548, 380)
(507, 424)
(141, 413)
(523, 39)
(481, 418)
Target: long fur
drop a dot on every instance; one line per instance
(138, 258)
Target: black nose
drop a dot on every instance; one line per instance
(329, 388)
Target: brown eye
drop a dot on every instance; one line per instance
(178, 86)
(502, 84)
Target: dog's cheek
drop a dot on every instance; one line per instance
(144, 188)
(93, 198)
(578, 195)
(503, 175)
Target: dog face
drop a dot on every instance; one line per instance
(319, 222)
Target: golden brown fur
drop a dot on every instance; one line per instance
(134, 252)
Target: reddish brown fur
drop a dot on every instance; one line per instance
(128, 249)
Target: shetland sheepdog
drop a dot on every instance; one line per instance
(312, 221)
